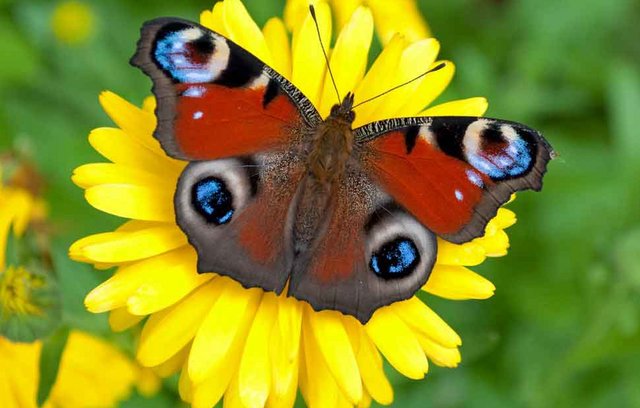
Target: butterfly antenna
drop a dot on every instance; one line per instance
(312, 10)
(434, 69)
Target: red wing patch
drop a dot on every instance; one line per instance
(441, 191)
(214, 121)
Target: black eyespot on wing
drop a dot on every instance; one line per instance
(395, 259)
(211, 199)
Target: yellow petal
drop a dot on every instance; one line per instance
(440, 355)
(505, 218)
(221, 327)
(365, 402)
(185, 388)
(295, 12)
(128, 246)
(133, 120)
(149, 104)
(242, 30)
(462, 107)
(433, 84)
(208, 392)
(120, 319)
(277, 39)
(173, 364)
(378, 79)
(178, 269)
(90, 175)
(331, 337)
(254, 377)
(348, 59)
(467, 254)
(423, 320)
(373, 377)
(178, 278)
(76, 251)
(309, 65)
(133, 201)
(399, 16)
(15, 210)
(284, 396)
(232, 396)
(415, 60)
(317, 385)
(343, 10)
(458, 283)
(397, 343)
(119, 147)
(285, 351)
(168, 331)
(496, 244)
(214, 19)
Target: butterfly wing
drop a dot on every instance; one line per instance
(369, 253)
(241, 125)
(453, 173)
(214, 98)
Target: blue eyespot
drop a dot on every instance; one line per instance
(185, 59)
(212, 200)
(395, 259)
(512, 161)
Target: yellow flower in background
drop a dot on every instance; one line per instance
(72, 22)
(390, 17)
(251, 347)
(29, 305)
(92, 373)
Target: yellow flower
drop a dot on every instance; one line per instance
(390, 17)
(92, 373)
(251, 347)
(72, 22)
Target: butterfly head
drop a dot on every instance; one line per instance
(344, 111)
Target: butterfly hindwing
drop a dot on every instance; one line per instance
(235, 211)
(453, 173)
(214, 98)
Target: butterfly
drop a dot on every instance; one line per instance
(277, 197)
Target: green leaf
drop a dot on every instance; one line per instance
(50, 358)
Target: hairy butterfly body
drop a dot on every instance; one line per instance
(277, 197)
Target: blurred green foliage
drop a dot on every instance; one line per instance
(564, 326)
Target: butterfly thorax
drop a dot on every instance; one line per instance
(328, 155)
(332, 144)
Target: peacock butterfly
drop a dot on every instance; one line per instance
(277, 197)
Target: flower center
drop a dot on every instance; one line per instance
(16, 292)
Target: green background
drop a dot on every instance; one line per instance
(563, 328)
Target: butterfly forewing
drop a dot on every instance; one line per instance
(215, 99)
(453, 173)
